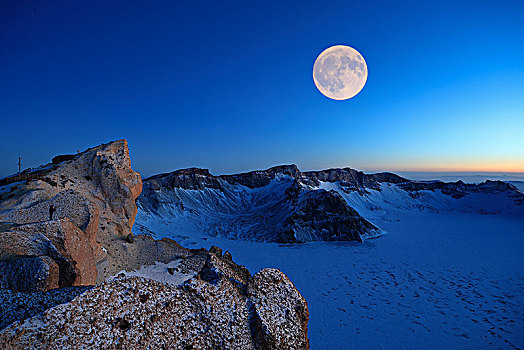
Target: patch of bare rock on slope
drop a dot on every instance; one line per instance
(68, 224)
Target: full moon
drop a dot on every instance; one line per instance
(340, 72)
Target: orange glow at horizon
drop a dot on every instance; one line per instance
(499, 166)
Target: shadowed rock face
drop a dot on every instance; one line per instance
(223, 307)
(60, 241)
(29, 273)
(325, 216)
(19, 306)
(73, 214)
(192, 178)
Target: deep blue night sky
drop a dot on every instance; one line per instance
(228, 85)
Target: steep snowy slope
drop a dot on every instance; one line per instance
(284, 205)
(272, 206)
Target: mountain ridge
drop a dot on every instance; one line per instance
(291, 206)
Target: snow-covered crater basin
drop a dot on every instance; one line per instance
(437, 280)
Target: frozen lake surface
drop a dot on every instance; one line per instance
(436, 280)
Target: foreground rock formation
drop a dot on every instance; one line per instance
(221, 307)
(69, 224)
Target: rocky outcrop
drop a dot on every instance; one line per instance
(283, 329)
(222, 307)
(59, 242)
(71, 224)
(68, 224)
(69, 219)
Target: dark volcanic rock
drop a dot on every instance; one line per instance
(325, 216)
(130, 238)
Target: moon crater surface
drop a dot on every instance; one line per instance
(340, 72)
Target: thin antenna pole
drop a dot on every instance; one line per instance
(19, 164)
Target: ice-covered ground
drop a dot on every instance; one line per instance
(436, 280)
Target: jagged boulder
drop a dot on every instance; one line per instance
(286, 327)
(60, 241)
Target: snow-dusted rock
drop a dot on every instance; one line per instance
(278, 327)
(59, 240)
(29, 273)
(221, 308)
(69, 223)
(17, 306)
